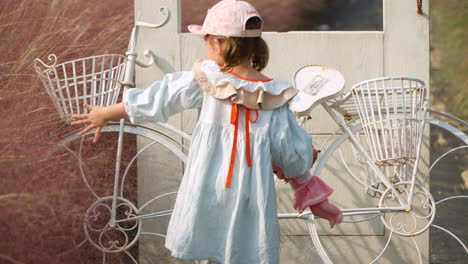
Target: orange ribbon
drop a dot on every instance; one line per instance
(235, 122)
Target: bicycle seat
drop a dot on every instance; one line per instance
(316, 83)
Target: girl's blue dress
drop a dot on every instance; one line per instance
(236, 224)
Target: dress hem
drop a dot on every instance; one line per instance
(181, 255)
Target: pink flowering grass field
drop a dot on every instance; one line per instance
(42, 197)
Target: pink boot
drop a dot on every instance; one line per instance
(327, 211)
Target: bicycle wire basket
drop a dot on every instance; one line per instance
(392, 111)
(94, 80)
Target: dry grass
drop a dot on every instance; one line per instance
(42, 197)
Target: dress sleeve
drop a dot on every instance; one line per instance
(290, 145)
(162, 99)
(292, 156)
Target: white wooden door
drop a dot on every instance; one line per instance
(401, 49)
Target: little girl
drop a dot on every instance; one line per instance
(226, 207)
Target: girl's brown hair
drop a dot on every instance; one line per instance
(234, 49)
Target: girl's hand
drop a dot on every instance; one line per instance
(316, 152)
(278, 171)
(96, 118)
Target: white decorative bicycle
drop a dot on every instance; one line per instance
(383, 122)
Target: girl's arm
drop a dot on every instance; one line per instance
(162, 99)
(292, 157)
(290, 145)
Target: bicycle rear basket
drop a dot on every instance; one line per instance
(94, 80)
(392, 112)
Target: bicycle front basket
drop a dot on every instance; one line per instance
(94, 80)
(392, 112)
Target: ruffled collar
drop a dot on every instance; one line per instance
(253, 94)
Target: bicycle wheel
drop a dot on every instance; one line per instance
(139, 214)
(390, 236)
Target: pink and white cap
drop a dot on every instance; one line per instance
(228, 18)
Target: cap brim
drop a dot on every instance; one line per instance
(196, 29)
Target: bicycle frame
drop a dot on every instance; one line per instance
(128, 82)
